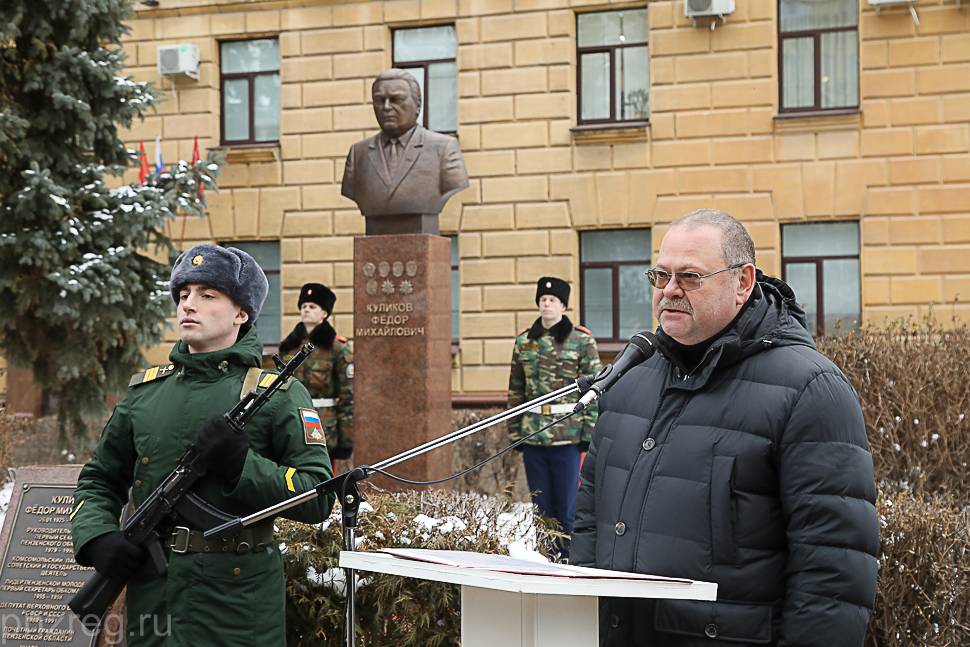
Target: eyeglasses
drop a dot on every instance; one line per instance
(688, 281)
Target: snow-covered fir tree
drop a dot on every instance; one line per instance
(80, 294)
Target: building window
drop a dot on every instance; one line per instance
(818, 54)
(267, 254)
(455, 289)
(250, 81)
(616, 296)
(820, 261)
(428, 53)
(614, 79)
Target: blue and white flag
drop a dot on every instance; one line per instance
(159, 166)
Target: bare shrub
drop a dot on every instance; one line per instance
(913, 380)
(494, 477)
(41, 442)
(393, 610)
(10, 428)
(923, 596)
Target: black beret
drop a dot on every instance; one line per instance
(229, 269)
(556, 287)
(319, 294)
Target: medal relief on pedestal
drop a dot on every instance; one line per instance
(385, 269)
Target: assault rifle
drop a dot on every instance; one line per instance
(172, 503)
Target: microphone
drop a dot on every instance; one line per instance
(642, 346)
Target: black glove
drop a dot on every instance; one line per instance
(583, 447)
(342, 452)
(114, 556)
(222, 448)
(519, 448)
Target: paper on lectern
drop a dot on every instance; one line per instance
(506, 564)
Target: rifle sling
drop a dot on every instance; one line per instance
(196, 512)
(252, 379)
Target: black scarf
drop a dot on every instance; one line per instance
(321, 336)
(560, 331)
(689, 357)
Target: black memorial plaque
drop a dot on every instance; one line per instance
(38, 574)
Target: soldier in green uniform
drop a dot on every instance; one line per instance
(548, 356)
(328, 374)
(216, 592)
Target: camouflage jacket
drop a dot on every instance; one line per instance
(328, 374)
(546, 360)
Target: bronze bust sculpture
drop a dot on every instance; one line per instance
(402, 177)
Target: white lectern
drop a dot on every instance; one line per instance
(526, 610)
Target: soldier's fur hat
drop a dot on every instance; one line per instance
(319, 294)
(229, 269)
(556, 287)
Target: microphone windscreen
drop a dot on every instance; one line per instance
(646, 341)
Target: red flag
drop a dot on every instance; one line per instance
(143, 171)
(195, 159)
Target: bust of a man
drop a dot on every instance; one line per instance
(402, 177)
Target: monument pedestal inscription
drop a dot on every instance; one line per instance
(402, 352)
(38, 575)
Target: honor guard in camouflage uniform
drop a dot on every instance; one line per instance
(548, 356)
(328, 374)
(217, 592)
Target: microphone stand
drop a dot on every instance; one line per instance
(349, 494)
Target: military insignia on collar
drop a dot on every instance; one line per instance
(312, 429)
(197, 260)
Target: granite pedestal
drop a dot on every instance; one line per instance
(402, 353)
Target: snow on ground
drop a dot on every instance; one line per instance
(5, 493)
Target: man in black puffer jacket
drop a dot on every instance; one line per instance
(736, 455)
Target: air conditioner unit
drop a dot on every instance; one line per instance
(707, 8)
(179, 59)
(879, 4)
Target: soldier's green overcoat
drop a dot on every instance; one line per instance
(329, 374)
(204, 600)
(544, 361)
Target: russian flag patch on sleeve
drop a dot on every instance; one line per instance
(312, 427)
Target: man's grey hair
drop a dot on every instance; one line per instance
(395, 74)
(737, 248)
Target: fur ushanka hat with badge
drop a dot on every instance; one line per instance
(319, 294)
(556, 287)
(229, 269)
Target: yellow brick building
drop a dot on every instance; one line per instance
(897, 162)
